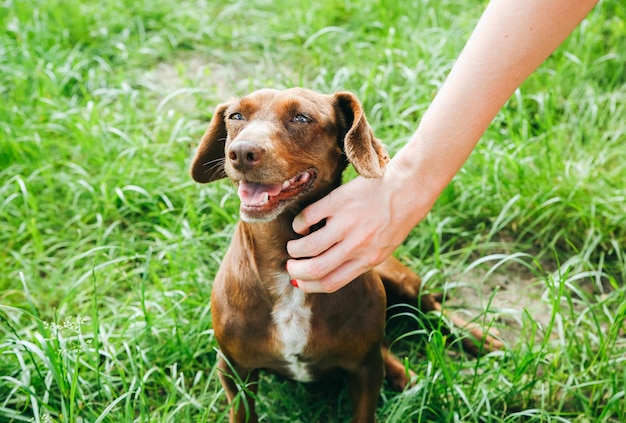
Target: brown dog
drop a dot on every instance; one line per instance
(284, 150)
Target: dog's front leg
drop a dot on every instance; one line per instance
(365, 383)
(241, 401)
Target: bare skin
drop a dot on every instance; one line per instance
(367, 219)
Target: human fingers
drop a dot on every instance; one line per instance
(308, 269)
(311, 215)
(316, 267)
(335, 280)
(314, 243)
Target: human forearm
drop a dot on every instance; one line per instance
(510, 41)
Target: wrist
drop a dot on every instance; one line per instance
(420, 175)
(415, 188)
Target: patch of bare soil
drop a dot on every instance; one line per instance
(513, 297)
(507, 294)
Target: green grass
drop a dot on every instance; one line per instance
(107, 248)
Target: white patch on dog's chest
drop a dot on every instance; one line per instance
(292, 317)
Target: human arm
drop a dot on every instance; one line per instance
(366, 219)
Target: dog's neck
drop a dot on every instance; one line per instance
(269, 240)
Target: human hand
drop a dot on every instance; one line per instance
(366, 220)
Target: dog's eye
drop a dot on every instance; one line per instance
(300, 118)
(235, 116)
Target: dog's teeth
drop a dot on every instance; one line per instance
(286, 184)
(266, 199)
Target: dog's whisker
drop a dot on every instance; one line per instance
(214, 163)
(214, 167)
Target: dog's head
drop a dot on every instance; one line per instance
(286, 148)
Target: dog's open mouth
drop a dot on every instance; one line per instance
(257, 198)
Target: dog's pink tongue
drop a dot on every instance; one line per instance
(253, 193)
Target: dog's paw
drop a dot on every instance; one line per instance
(399, 381)
(480, 342)
(397, 374)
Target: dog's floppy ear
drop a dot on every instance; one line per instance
(366, 153)
(208, 163)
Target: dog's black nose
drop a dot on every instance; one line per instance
(245, 155)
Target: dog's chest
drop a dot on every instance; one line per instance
(292, 317)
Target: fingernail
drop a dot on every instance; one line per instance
(294, 283)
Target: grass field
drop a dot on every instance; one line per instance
(108, 249)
